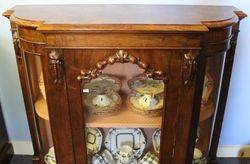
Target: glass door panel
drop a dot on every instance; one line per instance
(123, 111)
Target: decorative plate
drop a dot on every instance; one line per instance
(103, 104)
(50, 158)
(104, 84)
(98, 159)
(208, 87)
(145, 105)
(149, 158)
(198, 157)
(108, 157)
(146, 85)
(116, 138)
(105, 158)
(156, 138)
(146, 102)
(93, 140)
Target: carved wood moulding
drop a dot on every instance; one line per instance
(120, 56)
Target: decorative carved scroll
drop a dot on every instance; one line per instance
(120, 57)
(189, 67)
(56, 62)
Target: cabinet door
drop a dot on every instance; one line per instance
(133, 105)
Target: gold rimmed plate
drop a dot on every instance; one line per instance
(145, 85)
(104, 84)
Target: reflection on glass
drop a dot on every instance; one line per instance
(123, 109)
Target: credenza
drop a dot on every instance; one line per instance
(124, 83)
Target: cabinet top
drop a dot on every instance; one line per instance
(123, 17)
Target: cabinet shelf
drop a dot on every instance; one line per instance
(124, 119)
(121, 119)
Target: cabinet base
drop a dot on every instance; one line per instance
(36, 159)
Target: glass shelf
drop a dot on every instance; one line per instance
(132, 120)
(41, 108)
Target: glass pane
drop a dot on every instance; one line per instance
(208, 107)
(38, 93)
(123, 109)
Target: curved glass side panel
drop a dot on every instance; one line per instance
(38, 95)
(211, 86)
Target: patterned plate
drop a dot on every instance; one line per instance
(50, 157)
(105, 158)
(146, 85)
(108, 157)
(134, 138)
(104, 84)
(97, 159)
(94, 140)
(156, 138)
(149, 158)
(208, 88)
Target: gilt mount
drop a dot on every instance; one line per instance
(56, 63)
(189, 68)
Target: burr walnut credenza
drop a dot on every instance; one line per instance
(124, 83)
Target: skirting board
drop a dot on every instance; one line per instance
(234, 151)
(25, 148)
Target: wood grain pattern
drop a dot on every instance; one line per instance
(117, 17)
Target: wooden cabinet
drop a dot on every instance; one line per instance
(61, 49)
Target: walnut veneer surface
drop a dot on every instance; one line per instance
(115, 17)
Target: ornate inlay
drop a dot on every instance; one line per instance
(189, 67)
(56, 62)
(120, 57)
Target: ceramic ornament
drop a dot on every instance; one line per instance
(156, 138)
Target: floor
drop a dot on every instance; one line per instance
(26, 159)
(21, 159)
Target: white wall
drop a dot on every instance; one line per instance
(236, 130)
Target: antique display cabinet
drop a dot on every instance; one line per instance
(124, 83)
